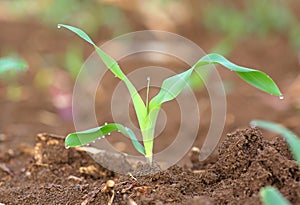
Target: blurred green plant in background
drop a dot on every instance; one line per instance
(10, 70)
(89, 14)
(74, 60)
(256, 17)
(260, 18)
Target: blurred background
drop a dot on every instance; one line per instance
(262, 34)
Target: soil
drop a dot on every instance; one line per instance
(50, 174)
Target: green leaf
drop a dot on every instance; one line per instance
(171, 88)
(107, 60)
(255, 78)
(198, 78)
(87, 136)
(138, 103)
(271, 196)
(292, 139)
(9, 63)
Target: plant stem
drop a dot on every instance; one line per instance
(149, 160)
(148, 133)
(147, 96)
(148, 137)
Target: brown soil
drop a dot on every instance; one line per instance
(55, 175)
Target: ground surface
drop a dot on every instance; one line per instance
(52, 174)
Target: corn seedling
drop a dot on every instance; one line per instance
(270, 195)
(147, 113)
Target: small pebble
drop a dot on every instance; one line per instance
(110, 184)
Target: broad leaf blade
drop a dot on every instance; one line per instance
(172, 86)
(138, 103)
(108, 61)
(255, 78)
(78, 31)
(9, 63)
(291, 138)
(271, 196)
(261, 81)
(88, 136)
(198, 78)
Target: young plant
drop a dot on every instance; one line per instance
(147, 113)
(270, 195)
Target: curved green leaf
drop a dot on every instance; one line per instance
(172, 86)
(271, 196)
(87, 136)
(255, 78)
(138, 103)
(292, 139)
(107, 60)
(9, 63)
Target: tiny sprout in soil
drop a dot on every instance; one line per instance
(147, 112)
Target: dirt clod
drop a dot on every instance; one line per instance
(246, 163)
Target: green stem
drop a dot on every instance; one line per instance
(148, 133)
(147, 95)
(148, 137)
